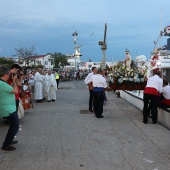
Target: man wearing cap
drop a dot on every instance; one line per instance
(8, 107)
(99, 85)
(151, 97)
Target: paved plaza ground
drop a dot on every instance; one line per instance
(62, 135)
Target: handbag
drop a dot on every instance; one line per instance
(20, 110)
(90, 86)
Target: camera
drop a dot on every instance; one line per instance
(14, 74)
(25, 72)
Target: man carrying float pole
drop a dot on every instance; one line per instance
(151, 95)
(99, 85)
(94, 70)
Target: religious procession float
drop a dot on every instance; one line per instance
(127, 75)
(129, 78)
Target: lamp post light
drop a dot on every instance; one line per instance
(159, 64)
(75, 41)
(75, 62)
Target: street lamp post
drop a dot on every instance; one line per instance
(75, 41)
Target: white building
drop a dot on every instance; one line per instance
(89, 65)
(44, 60)
(74, 63)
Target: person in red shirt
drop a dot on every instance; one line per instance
(15, 69)
(91, 101)
(151, 97)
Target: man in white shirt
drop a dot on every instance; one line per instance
(94, 70)
(151, 97)
(166, 90)
(50, 86)
(165, 97)
(99, 85)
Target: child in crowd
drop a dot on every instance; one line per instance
(25, 96)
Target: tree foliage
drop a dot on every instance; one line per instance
(5, 62)
(26, 54)
(37, 66)
(59, 60)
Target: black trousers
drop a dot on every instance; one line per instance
(17, 105)
(98, 103)
(57, 80)
(91, 102)
(13, 128)
(150, 103)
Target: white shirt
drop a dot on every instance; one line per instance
(155, 82)
(38, 77)
(88, 77)
(31, 79)
(50, 81)
(25, 88)
(166, 92)
(98, 81)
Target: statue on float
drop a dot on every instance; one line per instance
(128, 59)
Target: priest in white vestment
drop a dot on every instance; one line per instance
(43, 77)
(38, 87)
(51, 86)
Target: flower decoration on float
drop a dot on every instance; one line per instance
(126, 76)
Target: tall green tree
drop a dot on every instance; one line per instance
(5, 62)
(26, 54)
(59, 60)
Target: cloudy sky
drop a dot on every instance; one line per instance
(49, 24)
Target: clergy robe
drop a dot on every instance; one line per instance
(50, 86)
(38, 87)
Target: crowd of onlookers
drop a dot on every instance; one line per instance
(28, 75)
(64, 75)
(73, 75)
(29, 80)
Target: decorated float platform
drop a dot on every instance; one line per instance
(130, 86)
(131, 81)
(127, 79)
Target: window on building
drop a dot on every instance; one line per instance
(46, 62)
(38, 62)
